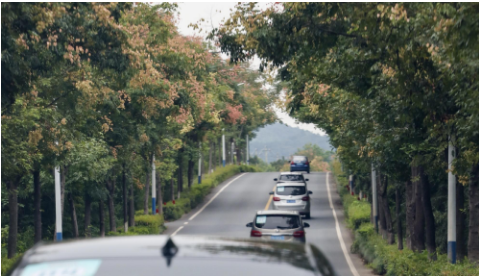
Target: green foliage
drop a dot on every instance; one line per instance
(386, 259)
(144, 225)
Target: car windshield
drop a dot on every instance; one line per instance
(290, 190)
(291, 177)
(277, 221)
(299, 159)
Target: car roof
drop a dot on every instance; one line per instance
(300, 156)
(180, 255)
(290, 173)
(291, 183)
(276, 212)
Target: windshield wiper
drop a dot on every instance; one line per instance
(283, 227)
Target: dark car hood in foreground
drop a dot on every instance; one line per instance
(182, 255)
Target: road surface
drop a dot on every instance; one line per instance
(234, 203)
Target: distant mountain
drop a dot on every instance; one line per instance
(283, 140)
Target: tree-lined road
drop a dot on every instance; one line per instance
(233, 204)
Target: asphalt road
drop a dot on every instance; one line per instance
(232, 204)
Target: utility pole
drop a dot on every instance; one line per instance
(266, 150)
(224, 148)
(232, 152)
(247, 149)
(153, 186)
(451, 204)
(375, 196)
(199, 165)
(58, 204)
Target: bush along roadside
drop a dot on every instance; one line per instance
(383, 258)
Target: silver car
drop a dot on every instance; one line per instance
(291, 177)
(292, 196)
(278, 226)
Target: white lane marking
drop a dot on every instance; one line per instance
(177, 230)
(186, 222)
(213, 198)
(338, 232)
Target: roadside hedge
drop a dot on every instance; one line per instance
(192, 198)
(383, 258)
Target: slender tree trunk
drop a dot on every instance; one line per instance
(220, 156)
(461, 249)
(131, 220)
(410, 213)
(110, 184)
(238, 156)
(382, 214)
(398, 218)
(125, 200)
(172, 189)
(214, 155)
(387, 211)
(102, 218)
(87, 215)
(37, 202)
(418, 242)
(13, 216)
(473, 241)
(159, 194)
(73, 214)
(210, 165)
(428, 215)
(191, 167)
(146, 206)
(180, 171)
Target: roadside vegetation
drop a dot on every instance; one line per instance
(384, 258)
(392, 84)
(105, 92)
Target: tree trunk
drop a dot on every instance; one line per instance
(191, 167)
(210, 165)
(13, 216)
(110, 185)
(387, 212)
(410, 213)
(131, 218)
(418, 235)
(125, 201)
(146, 206)
(473, 241)
(37, 202)
(102, 218)
(398, 218)
(87, 215)
(238, 156)
(428, 215)
(73, 214)
(159, 194)
(172, 189)
(180, 171)
(220, 155)
(214, 155)
(461, 249)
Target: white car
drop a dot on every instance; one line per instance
(291, 177)
(292, 196)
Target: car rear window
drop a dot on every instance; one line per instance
(277, 221)
(290, 190)
(291, 177)
(300, 159)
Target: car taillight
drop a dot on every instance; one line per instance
(256, 233)
(305, 198)
(307, 163)
(292, 163)
(298, 234)
(276, 198)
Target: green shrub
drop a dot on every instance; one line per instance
(386, 259)
(8, 264)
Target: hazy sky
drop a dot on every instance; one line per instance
(213, 14)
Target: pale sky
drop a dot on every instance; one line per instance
(213, 14)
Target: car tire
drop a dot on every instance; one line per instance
(308, 172)
(308, 216)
